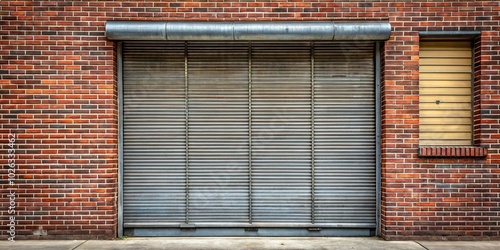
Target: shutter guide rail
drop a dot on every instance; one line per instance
(313, 186)
(250, 133)
(186, 128)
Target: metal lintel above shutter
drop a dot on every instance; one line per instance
(248, 31)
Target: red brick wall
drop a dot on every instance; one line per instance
(58, 95)
(439, 198)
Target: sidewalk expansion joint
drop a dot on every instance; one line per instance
(79, 245)
(421, 245)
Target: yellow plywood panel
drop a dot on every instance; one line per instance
(444, 106)
(445, 69)
(444, 98)
(445, 83)
(445, 91)
(445, 120)
(445, 113)
(450, 54)
(445, 76)
(446, 136)
(441, 76)
(445, 61)
(441, 142)
(445, 128)
(447, 45)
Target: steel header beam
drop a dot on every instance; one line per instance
(248, 31)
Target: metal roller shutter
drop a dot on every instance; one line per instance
(240, 135)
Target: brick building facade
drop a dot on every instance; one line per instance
(60, 98)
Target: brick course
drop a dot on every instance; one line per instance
(58, 94)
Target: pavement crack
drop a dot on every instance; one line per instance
(79, 245)
(421, 245)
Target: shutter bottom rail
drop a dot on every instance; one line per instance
(247, 225)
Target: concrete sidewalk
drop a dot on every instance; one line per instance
(225, 243)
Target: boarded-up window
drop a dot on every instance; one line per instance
(445, 93)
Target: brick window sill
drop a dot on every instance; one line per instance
(452, 152)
